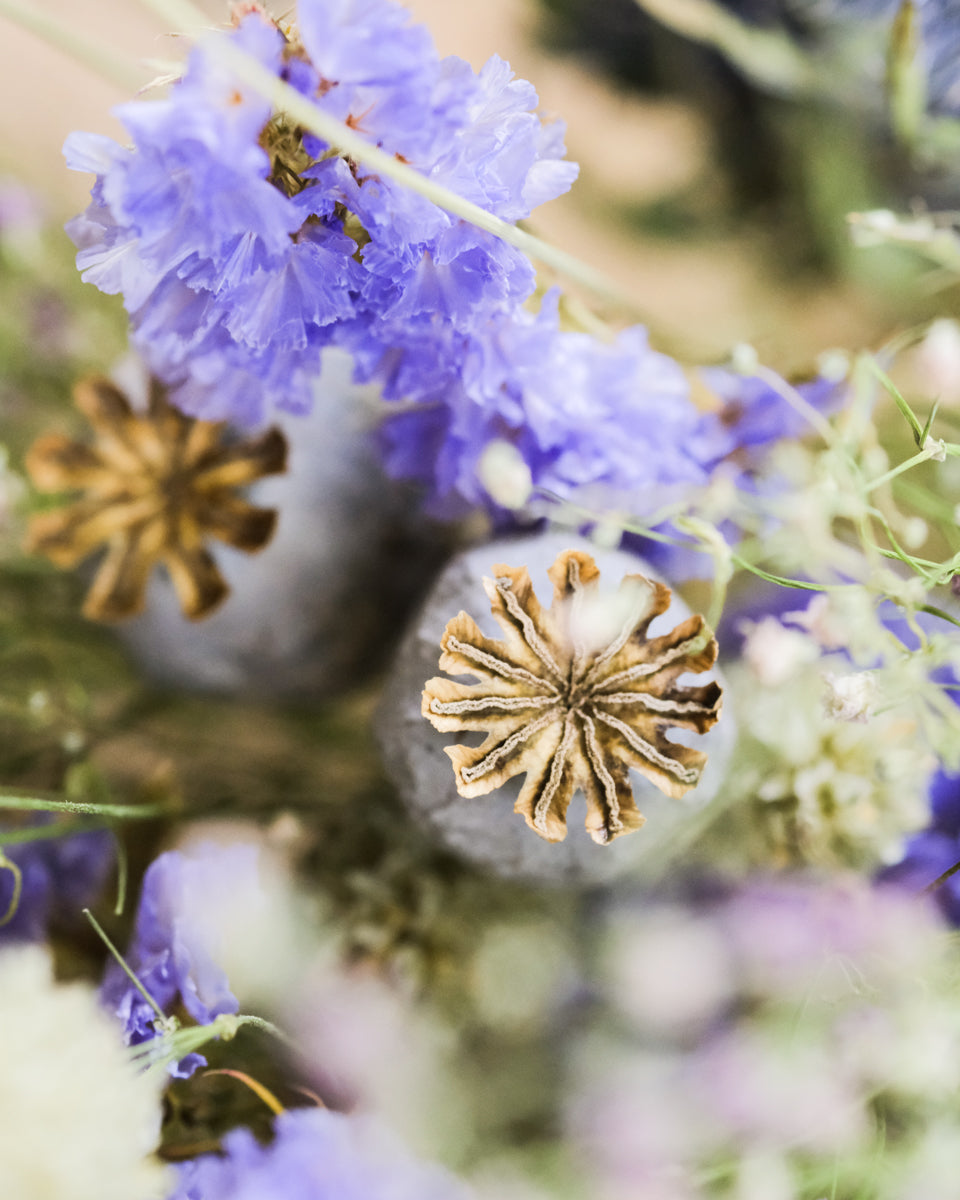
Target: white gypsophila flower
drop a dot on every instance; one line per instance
(78, 1122)
(774, 653)
(827, 791)
(849, 697)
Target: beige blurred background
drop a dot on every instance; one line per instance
(701, 295)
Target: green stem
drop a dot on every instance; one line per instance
(938, 612)
(267, 1027)
(802, 584)
(128, 970)
(134, 812)
(123, 874)
(921, 457)
(194, 23)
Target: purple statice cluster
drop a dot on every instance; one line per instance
(58, 877)
(583, 414)
(243, 246)
(173, 950)
(315, 1155)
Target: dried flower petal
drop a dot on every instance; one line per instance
(156, 485)
(572, 699)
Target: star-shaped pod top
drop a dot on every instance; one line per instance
(156, 485)
(575, 697)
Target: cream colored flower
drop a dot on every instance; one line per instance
(78, 1122)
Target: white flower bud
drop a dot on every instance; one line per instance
(775, 653)
(849, 697)
(504, 473)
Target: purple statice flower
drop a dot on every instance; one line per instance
(585, 416)
(734, 439)
(242, 247)
(59, 876)
(753, 415)
(22, 212)
(174, 946)
(315, 1155)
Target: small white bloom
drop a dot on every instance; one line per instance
(744, 359)
(908, 593)
(936, 448)
(821, 620)
(503, 471)
(834, 365)
(79, 1123)
(774, 653)
(849, 697)
(915, 532)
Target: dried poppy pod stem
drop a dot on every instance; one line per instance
(573, 699)
(155, 486)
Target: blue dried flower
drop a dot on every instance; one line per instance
(616, 419)
(59, 876)
(316, 1155)
(242, 249)
(173, 950)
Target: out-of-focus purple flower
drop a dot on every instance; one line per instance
(753, 415)
(316, 1155)
(822, 1004)
(929, 854)
(732, 441)
(242, 248)
(587, 417)
(174, 947)
(22, 211)
(59, 877)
